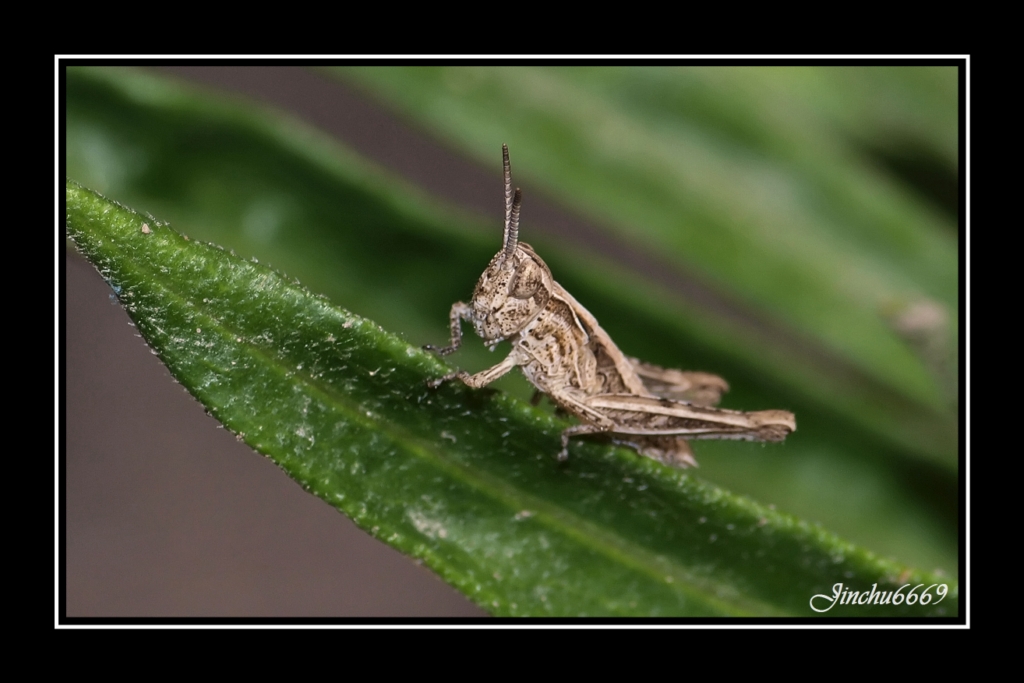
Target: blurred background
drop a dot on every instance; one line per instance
(794, 230)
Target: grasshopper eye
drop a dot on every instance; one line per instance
(528, 279)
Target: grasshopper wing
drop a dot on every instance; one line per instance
(698, 388)
(649, 416)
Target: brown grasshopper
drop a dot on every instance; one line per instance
(566, 355)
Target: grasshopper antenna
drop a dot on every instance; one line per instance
(511, 236)
(513, 228)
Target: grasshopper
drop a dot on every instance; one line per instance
(566, 355)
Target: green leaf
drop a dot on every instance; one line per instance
(463, 479)
(270, 188)
(765, 184)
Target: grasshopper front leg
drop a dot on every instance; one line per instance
(480, 379)
(460, 311)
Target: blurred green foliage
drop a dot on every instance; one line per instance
(786, 189)
(759, 181)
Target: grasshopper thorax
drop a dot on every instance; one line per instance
(511, 293)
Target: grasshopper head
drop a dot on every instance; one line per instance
(510, 294)
(517, 284)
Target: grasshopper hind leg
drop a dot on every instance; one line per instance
(671, 450)
(576, 430)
